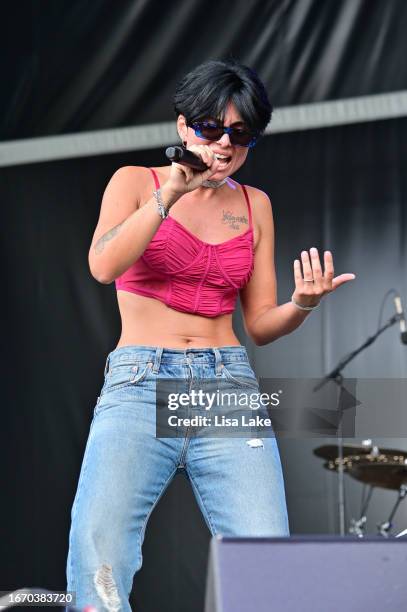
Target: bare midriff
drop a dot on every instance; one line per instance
(149, 322)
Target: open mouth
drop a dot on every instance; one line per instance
(223, 161)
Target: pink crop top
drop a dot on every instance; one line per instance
(191, 275)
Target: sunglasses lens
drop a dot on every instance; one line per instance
(210, 131)
(242, 138)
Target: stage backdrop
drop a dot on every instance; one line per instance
(342, 188)
(77, 66)
(74, 66)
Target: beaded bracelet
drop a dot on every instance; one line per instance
(303, 307)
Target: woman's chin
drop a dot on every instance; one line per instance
(221, 173)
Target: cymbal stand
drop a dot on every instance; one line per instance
(385, 527)
(337, 377)
(357, 526)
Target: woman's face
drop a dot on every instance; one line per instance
(236, 155)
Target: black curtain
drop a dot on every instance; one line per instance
(70, 66)
(342, 188)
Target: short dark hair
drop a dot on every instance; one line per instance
(206, 90)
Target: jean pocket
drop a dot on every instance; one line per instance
(240, 374)
(125, 374)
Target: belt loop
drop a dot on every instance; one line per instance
(218, 362)
(157, 359)
(107, 364)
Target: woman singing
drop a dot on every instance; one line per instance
(180, 246)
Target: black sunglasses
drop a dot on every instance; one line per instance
(212, 131)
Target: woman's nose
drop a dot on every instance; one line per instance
(225, 140)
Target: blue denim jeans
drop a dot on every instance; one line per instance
(237, 481)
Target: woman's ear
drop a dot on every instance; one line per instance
(182, 128)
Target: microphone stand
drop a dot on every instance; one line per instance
(337, 377)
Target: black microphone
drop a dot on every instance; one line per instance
(180, 155)
(402, 319)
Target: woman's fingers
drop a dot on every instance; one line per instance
(316, 267)
(306, 265)
(204, 152)
(341, 279)
(311, 282)
(328, 270)
(208, 157)
(188, 179)
(298, 275)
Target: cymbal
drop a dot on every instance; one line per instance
(331, 451)
(384, 470)
(386, 475)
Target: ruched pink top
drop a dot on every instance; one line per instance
(191, 275)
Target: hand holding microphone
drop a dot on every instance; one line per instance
(190, 167)
(186, 158)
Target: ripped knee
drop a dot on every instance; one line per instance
(106, 588)
(255, 443)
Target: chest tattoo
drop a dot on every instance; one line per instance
(233, 221)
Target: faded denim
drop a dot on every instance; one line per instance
(125, 469)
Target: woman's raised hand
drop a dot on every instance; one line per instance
(183, 179)
(311, 284)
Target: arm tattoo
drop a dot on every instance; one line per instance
(232, 220)
(100, 245)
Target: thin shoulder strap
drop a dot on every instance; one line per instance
(156, 181)
(248, 205)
